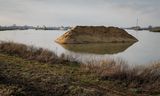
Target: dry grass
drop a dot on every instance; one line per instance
(120, 70)
(30, 52)
(21, 77)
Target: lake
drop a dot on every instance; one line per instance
(145, 51)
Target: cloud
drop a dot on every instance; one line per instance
(80, 12)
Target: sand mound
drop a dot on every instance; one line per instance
(95, 34)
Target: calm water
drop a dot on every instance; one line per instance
(145, 51)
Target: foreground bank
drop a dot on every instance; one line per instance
(31, 71)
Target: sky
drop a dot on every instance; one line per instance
(121, 13)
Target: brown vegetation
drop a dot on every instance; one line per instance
(32, 53)
(145, 77)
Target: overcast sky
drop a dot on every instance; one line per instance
(120, 13)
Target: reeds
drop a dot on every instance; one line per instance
(29, 52)
(120, 70)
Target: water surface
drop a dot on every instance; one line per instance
(145, 51)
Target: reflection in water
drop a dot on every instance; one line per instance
(103, 48)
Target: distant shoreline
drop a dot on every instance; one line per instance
(15, 27)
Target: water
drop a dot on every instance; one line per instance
(146, 50)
